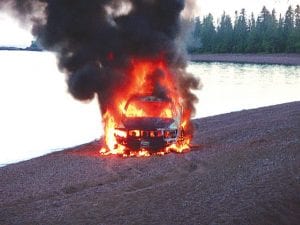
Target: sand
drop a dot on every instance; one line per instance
(246, 170)
(280, 58)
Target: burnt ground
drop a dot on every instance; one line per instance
(246, 170)
(279, 58)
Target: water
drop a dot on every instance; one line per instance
(38, 115)
(229, 87)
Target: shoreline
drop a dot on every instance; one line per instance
(247, 165)
(288, 59)
(291, 59)
(29, 49)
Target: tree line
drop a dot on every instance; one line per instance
(264, 34)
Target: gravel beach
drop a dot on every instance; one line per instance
(280, 58)
(245, 170)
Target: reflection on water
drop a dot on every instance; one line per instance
(231, 87)
(38, 116)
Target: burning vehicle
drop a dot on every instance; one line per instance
(142, 127)
(154, 121)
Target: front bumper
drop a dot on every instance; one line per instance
(144, 139)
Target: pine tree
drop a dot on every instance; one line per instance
(288, 28)
(297, 17)
(194, 42)
(252, 23)
(224, 35)
(253, 38)
(208, 33)
(281, 45)
(289, 20)
(265, 31)
(272, 34)
(241, 32)
(293, 41)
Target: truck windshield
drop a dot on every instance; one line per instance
(161, 109)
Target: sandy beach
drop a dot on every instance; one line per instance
(281, 59)
(245, 170)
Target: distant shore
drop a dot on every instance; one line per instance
(280, 58)
(292, 59)
(20, 49)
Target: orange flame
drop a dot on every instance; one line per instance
(138, 82)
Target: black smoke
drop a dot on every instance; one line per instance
(94, 40)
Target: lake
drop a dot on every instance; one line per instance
(38, 115)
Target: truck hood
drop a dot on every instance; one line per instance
(147, 123)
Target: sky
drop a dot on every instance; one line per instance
(12, 34)
(216, 7)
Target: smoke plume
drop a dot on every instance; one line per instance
(95, 40)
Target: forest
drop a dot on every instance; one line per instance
(268, 33)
